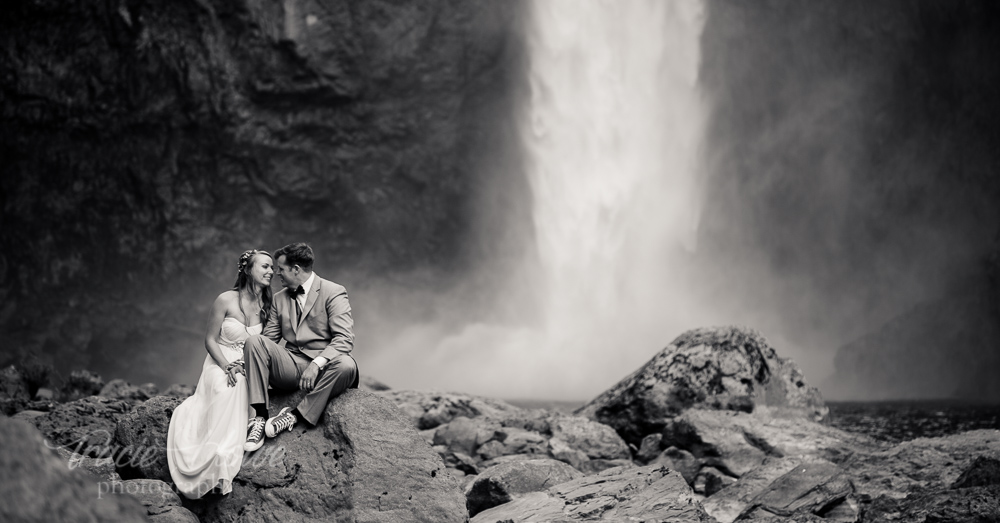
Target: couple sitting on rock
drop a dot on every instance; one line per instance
(210, 431)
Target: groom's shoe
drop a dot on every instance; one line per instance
(285, 420)
(255, 434)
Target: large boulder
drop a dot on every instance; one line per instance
(36, 485)
(650, 493)
(725, 368)
(364, 462)
(430, 409)
(85, 426)
(141, 438)
(504, 482)
(812, 488)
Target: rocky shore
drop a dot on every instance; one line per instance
(717, 427)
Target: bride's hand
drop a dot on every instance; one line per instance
(231, 371)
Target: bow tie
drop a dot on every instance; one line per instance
(297, 291)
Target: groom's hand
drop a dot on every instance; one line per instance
(308, 378)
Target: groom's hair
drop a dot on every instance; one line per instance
(296, 254)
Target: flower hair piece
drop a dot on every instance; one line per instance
(244, 259)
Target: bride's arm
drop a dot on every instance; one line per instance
(215, 329)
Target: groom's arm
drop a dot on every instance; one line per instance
(338, 311)
(272, 330)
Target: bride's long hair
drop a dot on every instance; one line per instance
(243, 281)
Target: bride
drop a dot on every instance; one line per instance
(205, 440)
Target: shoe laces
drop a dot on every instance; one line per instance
(256, 430)
(284, 422)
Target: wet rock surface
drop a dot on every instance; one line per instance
(649, 493)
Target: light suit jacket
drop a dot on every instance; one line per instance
(326, 327)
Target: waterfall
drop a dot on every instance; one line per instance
(611, 132)
(613, 129)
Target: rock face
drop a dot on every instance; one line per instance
(505, 482)
(38, 486)
(364, 462)
(141, 437)
(86, 426)
(649, 493)
(726, 368)
(203, 129)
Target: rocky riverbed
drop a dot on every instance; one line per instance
(717, 427)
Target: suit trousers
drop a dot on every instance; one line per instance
(266, 362)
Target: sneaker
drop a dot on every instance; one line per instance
(285, 420)
(255, 434)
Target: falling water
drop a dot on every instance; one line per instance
(611, 130)
(615, 121)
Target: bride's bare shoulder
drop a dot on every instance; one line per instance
(227, 298)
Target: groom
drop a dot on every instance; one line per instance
(314, 317)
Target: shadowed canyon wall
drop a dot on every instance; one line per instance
(146, 144)
(853, 182)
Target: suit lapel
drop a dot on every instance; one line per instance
(311, 299)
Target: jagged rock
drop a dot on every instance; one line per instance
(505, 482)
(737, 442)
(727, 504)
(85, 426)
(81, 384)
(141, 437)
(598, 440)
(973, 505)
(710, 480)
(364, 462)
(650, 448)
(103, 468)
(680, 460)
(983, 472)
(36, 485)
(178, 390)
(921, 464)
(430, 409)
(157, 496)
(123, 390)
(650, 493)
(466, 435)
(726, 368)
(811, 487)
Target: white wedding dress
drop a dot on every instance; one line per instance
(207, 431)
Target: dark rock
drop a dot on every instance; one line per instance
(141, 437)
(973, 505)
(103, 468)
(85, 426)
(12, 385)
(81, 384)
(38, 486)
(178, 390)
(726, 368)
(364, 462)
(710, 480)
(680, 460)
(650, 448)
(505, 482)
(430, 409)
(648, 493)
(983, 472)
(123, 390)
